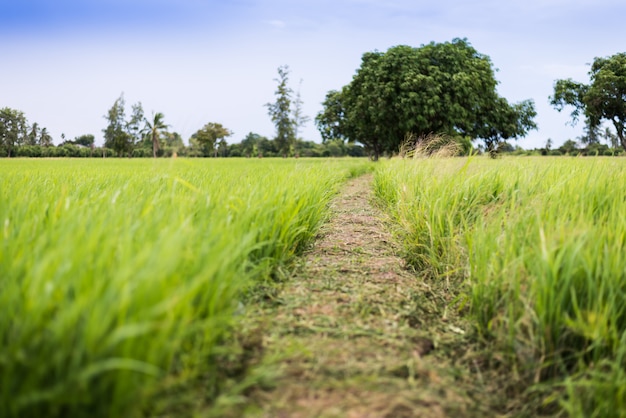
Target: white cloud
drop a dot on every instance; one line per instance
(278, 24)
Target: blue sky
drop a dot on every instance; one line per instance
(64, 62)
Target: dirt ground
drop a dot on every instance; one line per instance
(355, 334)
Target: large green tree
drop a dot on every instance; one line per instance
(154, 127)
(280, 113)
(603, 99)
(13, 129)
(442, 88)
(210, 137)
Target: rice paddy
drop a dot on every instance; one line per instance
(123, 283)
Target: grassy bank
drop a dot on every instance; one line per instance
(120, 279)
(535, 250)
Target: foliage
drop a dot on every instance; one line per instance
(121, 279)
(116, 134)
(87, 140)
(332, 122)
(251, 144)
(600, 100)
(446, 88)
(13, 129)
(280, 113)
(569, 147)
(533, 249)
(210, 138)
(153, 128)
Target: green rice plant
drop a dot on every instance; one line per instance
(537, 247)
(120, 278)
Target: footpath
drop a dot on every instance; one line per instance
(355, 334)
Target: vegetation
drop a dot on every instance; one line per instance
(281, 113)
(604, 99)
(447, 88)
(210, 139)
(533, 250)
(153, 128)
(13, 129)
(121, 280)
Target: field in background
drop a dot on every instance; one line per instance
(120, 279)
(535, 251)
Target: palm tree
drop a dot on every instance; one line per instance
(153, 127)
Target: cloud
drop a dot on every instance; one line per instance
(277, 24)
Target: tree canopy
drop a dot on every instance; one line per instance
(442, 88)
(210, 138)
(13, 129)
(603, 99)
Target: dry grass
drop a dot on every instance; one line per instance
(429, 146)
(355, 334)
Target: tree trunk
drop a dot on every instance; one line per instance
(619, 129)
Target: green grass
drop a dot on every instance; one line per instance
(120, 279)
(535, 250)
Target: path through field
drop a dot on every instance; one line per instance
(346, 332)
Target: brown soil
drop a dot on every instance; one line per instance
(352, 334)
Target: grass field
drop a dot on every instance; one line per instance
(535, 250)
(123, 282)
(120, 279)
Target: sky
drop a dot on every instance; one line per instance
(65, 62)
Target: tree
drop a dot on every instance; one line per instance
(611, 138)
(121, 135)
(447, 88)
(569, 147)
(33, 135)
(332, 121)
(153, 128)
(280, 112)
(173, 143)
(115, 135)
(13, 129)
(250, 144)
(603, 99)
(209, 137)
(134, 127)
(299, 118)
(45, 140)
(87, 140)
(548, 144)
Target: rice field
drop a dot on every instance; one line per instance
(535, 251)
(121, 279)
(122, 282)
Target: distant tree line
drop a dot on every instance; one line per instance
(443, 89)
(136, 136)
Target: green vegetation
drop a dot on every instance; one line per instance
(120, 280)
(281, 113)
(534, 250)
(441, 88)
(602, 100)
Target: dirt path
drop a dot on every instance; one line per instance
(345, 332)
